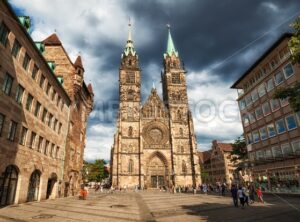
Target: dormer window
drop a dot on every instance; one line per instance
(79, 71)
(60, 79)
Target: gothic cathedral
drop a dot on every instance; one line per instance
(155, 144)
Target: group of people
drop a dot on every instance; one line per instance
(245, 195)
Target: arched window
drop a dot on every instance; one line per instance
(8, 185)
(184, 169)
(130, 129)
(181, 132)
(130, 166)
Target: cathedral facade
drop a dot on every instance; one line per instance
(155, 143)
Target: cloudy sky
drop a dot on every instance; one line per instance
(217, 40)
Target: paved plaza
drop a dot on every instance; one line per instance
(152, 206)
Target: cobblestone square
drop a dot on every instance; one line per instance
(152, 206)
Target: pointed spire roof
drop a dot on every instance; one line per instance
(129, 48)
(52, 40)
(170, 44)
(78, 62)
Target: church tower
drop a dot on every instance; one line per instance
(126, 153)
(181, 124)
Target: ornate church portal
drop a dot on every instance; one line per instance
(155, 141)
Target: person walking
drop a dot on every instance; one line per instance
(82, 193)
(241, 196)
(246, 195)
(234, 195)
(259, 194)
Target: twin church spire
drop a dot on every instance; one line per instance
(129, 47)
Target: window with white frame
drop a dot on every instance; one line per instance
(254, 95)
(260, 155)
(249, 138)
(255, 136)
(251, 117)
(288, 70)
(266, 108)
(276, 150)
(258, 113)
(286, 149)
(278, 78)
(284, 102)
(274, 104)
(242, 104)
(271, 130)
(296, 146)
(261, 90)
(291, 122)
(268, 153)
(269, 85)
(245, 119)
(248, 100)
(263, 133)
(280, 126)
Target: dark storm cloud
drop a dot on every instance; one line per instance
(207, 32)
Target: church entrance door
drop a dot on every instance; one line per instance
(157, 172)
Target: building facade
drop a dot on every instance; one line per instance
(271, 128)
(217, 166)
(71, 76)
(155, 144)
(33, 107)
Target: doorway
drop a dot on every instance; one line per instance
(34, 186)
(50, 185)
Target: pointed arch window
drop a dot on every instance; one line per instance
(130, 166)
(130, 131)
(179, 115)
(130, 95)
(184, 168)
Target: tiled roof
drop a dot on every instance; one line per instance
(52, 40)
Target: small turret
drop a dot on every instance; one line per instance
(79, 72)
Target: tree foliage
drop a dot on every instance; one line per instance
(96, 171)
(239, 150)
(292, 93)
(294, 43)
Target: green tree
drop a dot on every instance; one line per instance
(291, 93)
(97, 171)
(239, 150)
(294, 43)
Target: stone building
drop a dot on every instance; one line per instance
(71, 77)
(216, 164)
(155, 144)
(33, 110)
(271, 128)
